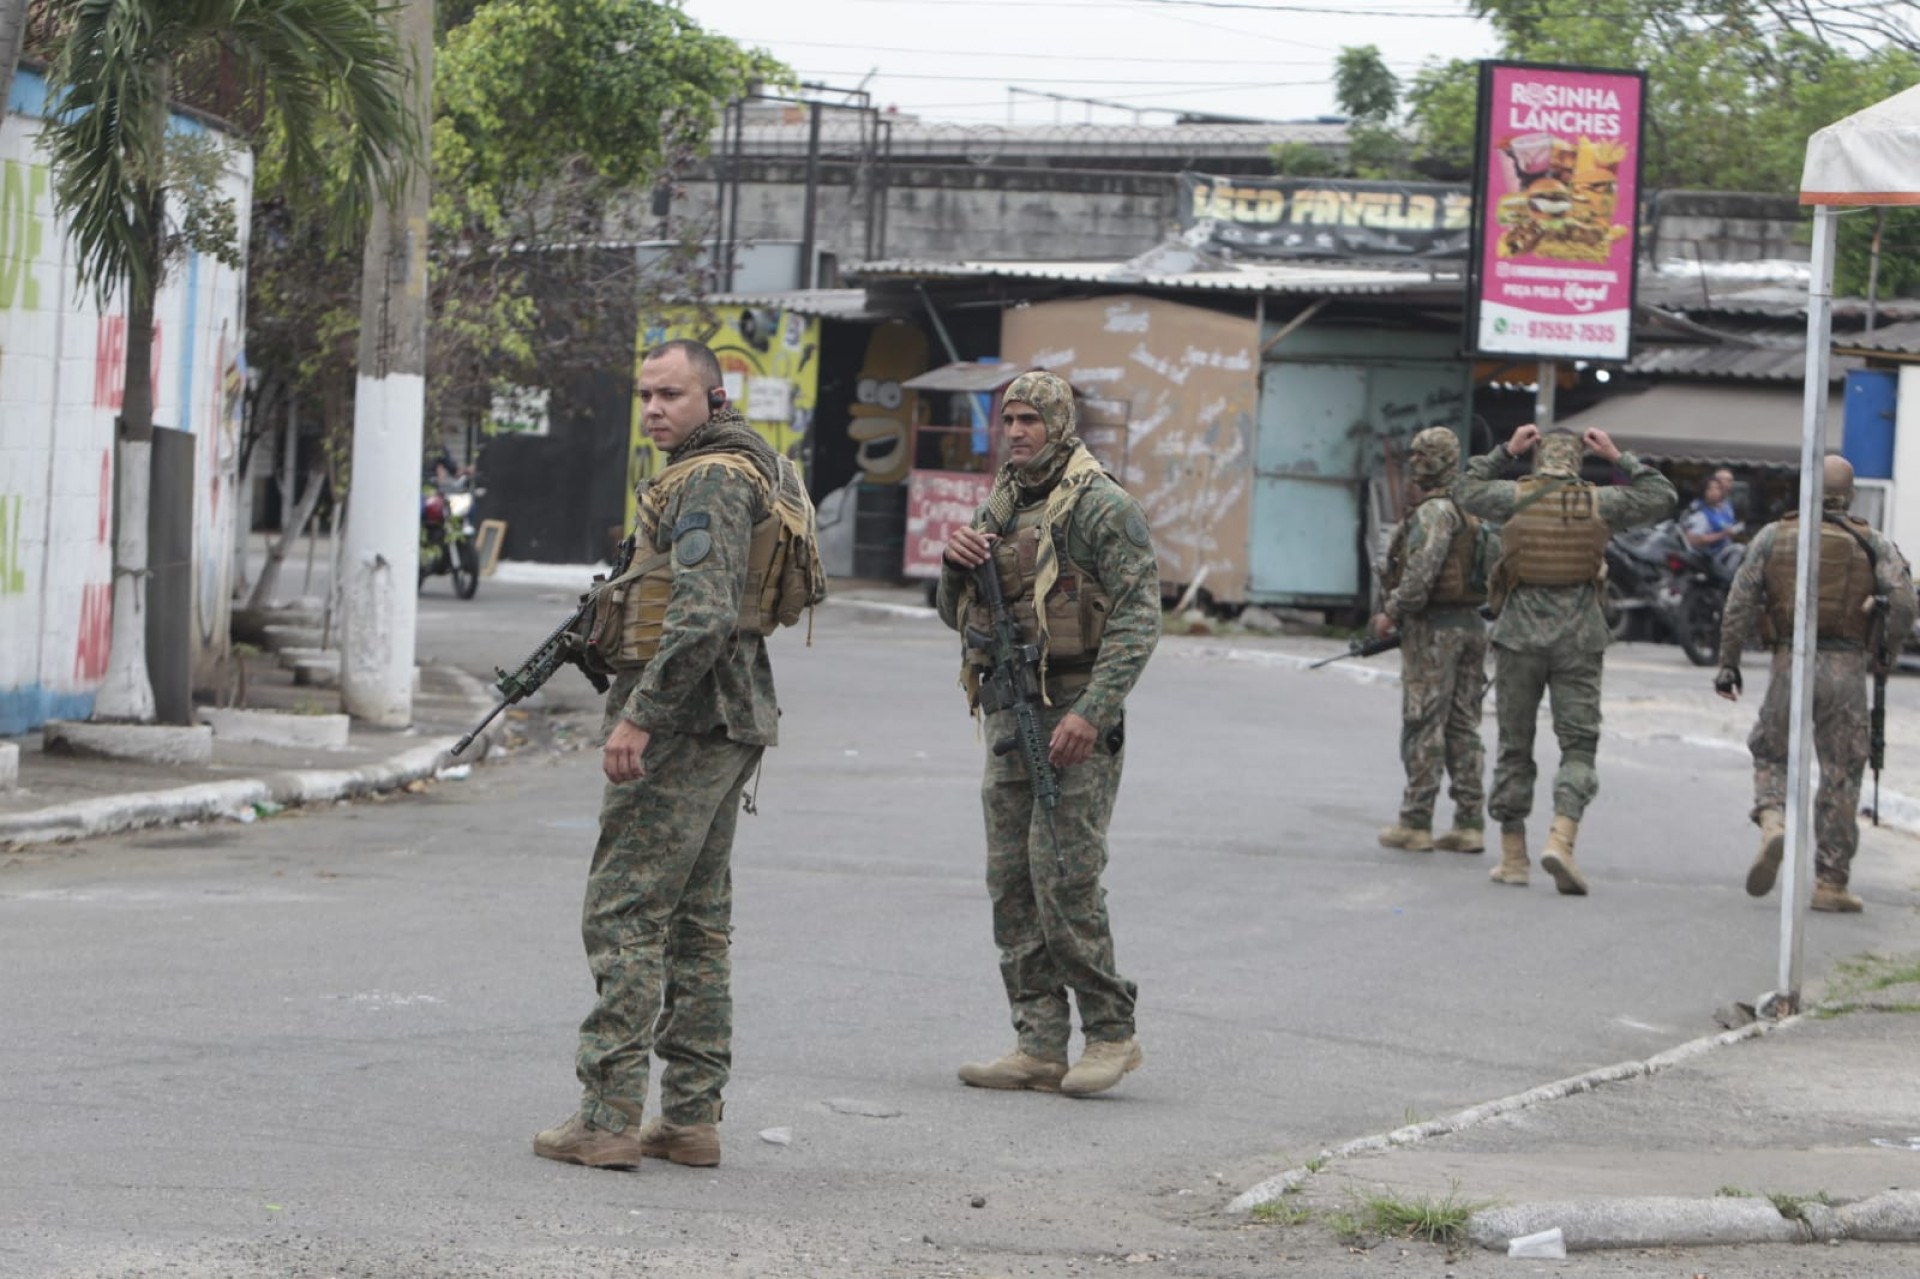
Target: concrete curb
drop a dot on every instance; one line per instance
(89, 818)
(1591, 1225)
(1274, 1187)
(882, 606)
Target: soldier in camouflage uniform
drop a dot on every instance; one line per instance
(1858, 566)
(1549, 635)
(685, 730)
(1077, 568)
(1443, 654)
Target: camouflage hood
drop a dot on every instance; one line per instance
(1559, 453)
(1053, 397)
(1433, 458)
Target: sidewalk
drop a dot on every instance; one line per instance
(64, 797)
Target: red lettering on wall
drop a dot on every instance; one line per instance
(106, 495)
(96, 633)
(110, 363)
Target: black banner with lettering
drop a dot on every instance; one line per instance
(1328, 217)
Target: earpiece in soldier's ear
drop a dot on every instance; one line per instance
(716, 398)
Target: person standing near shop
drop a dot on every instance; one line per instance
(1075, 561)
(1549, 637)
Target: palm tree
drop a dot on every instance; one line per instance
(309, 64)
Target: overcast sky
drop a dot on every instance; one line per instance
(956, 59)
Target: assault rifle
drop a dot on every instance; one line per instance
(1361, 648)
(1012, 682)
(561, 648)
(1877, 720)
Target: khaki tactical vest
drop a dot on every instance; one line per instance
(1077, 606)
(1452, 588)
(1846, 580)
(1555, 536)
(784, 575)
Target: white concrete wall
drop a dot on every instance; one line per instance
(1903, 512)
(60, 373)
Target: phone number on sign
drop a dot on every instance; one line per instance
(1570, 331)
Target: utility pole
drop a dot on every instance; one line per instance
(382, 547)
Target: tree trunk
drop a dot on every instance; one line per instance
(126, 693)
(277, 549)
(13, 29)
(379, 575)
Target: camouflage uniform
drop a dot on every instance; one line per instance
(659, 897)
(1052, 929)
(1552, 639)
(1443, 652)
(1840, 705)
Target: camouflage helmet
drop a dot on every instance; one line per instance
(1050, 394)
(1559, 453)
(1433, 456)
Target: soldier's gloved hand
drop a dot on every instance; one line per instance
(1727, 683)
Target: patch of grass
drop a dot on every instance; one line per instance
(1346, 1227)
(1732, 1192)
(1855, 981)
(1442, 1221)
(1792, 1206)
(1316, 1163)
(1279, 1212)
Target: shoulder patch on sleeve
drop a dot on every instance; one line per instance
(693, 548)
(1137, 530)
(688, 523)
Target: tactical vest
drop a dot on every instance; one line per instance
(1555, 536)
(1452, 588)
(1846, 580)
(784, 573)
(1077, 606)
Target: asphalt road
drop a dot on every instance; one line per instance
(320, 1045)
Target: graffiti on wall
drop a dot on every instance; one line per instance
(1171, 396)
(13, 568)
(883, 411)
(769, 363)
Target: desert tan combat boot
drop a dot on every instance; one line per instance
(579, 1142)
(1015, 1070)
(1835, 898)
(1101, 1066)
(1462, 839)
(696, 1145)
(1773, 845)
(1513, 859)
(1414, 841)
(1557, 858)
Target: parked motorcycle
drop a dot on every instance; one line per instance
(447, 535)
(1652, 571)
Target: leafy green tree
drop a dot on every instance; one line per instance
(1364, 87)
(116, 162)
(1302, 160)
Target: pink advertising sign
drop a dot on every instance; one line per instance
(937, 503)
(1555, 197)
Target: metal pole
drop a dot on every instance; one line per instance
(1797, 882)
(1873, 266)
(886, 185)
(1547, 383)
(733, 194)
(378, 576)
(810, 215)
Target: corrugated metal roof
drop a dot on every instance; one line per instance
(1737, 363)
(968, 375)
(828, 304)
(1245, 277)
(1896, 339)
(1678, 422)
(1774, 299)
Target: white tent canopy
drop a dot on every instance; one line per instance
(1870, 158)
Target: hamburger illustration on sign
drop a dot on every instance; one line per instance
(1565, 201)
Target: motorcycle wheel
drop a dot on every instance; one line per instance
(1619, 618)
(1700, 626)
(466, 570)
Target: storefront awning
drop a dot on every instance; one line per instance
(1687, 422)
